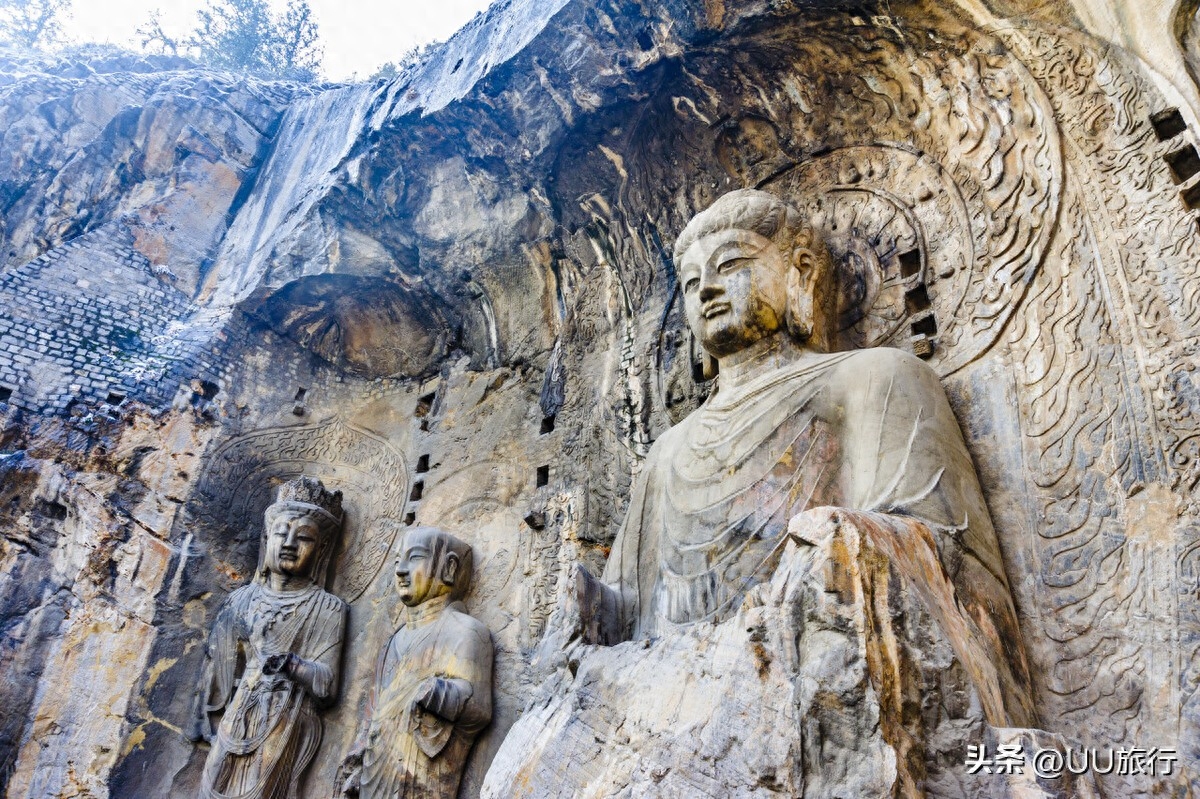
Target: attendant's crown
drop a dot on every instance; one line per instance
(308, 494)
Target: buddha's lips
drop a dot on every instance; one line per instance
(714, 309)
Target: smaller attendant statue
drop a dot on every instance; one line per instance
(274, 653)
(433, 682)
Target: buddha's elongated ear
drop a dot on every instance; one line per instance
(450, 566)
(802, 285)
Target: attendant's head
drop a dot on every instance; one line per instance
(432, 563)
(750, 268)
(301, 528)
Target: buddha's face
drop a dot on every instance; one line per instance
(417, 572)
(293, 540)
(734, 289)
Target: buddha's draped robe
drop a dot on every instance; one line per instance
(867, 430)
(270, 729)
(410, 752)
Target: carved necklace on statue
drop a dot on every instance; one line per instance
(280, 614)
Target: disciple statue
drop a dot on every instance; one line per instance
(793, 428)
(433, 682)
(273, 655)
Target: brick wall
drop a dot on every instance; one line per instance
(89, 319)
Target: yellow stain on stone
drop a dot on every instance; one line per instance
(1153, 515)
(617, 161)
(195, 616)
(137, 736)
(715, 11)
(135, 739)
(157, 670)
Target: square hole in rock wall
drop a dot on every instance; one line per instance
(910, 263)
(1168, 124)
(1183, 163)
(925, 326)
(917, 300)
(425, 405)
(1191, 196)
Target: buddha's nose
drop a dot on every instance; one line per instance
(710, 291)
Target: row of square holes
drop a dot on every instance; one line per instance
(423, 409)
(1183, 162)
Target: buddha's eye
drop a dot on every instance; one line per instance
(692, 284)
(733, 264)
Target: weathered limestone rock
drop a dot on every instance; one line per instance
(839, 677)
(165, 148)
(452, 297)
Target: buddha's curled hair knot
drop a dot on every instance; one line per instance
(753, 210)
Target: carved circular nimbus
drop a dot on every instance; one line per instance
(240, 478)
(899, 236)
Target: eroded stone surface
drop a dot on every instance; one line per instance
(512, 203)
(837, 678)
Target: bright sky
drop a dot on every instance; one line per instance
(359, 35)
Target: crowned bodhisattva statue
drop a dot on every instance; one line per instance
(274, 653)
(794, 429)
(433, 681)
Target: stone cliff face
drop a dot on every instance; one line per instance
(451, 296)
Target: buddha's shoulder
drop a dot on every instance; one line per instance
(325, 601)
(882, 369)
(240, 597)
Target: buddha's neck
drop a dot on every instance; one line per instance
(773, 352)
(287, 583)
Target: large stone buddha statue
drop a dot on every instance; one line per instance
(795, 429)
